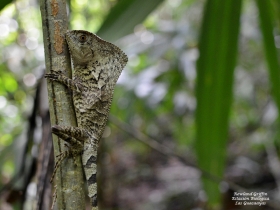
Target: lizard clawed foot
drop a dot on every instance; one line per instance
(56, 129)
(65, 153)
(60, 157)
(53, 75)
(54, 196)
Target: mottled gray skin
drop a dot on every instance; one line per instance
(97, 67)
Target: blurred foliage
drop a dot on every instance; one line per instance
(86, 14)
(130, 12)
(156, 94)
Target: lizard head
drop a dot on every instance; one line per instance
(79, 44)
(90, 50)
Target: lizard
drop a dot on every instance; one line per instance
(96, 65)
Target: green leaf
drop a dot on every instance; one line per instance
(266, 24)
(10, 84)
(215, 67)
(3, 3)
(124, 16)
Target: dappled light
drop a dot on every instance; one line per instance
(181, 134)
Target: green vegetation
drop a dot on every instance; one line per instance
(203, 79)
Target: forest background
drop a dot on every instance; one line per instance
(195, 112)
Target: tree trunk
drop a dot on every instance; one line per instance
(69, 176)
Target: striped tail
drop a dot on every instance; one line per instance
(89, 158)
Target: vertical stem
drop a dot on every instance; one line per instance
(69, 176)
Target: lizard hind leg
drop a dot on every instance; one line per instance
(75, 137)
(75, 133)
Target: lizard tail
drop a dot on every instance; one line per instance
(89, 158)
(93, 201)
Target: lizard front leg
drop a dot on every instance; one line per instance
(59, 77)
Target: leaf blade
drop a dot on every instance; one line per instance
(266, 25)
(4, 3)
(124, 16)
(215, 66)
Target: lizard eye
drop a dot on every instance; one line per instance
(82, 38)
